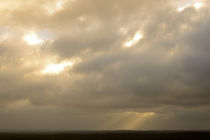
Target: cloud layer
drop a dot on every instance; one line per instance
(161, 81)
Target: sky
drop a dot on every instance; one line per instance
(104, 65)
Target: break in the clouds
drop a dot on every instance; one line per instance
(104, 64)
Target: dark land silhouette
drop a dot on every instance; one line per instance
(107, 135)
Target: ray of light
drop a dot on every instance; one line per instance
(137, 119)
(129, 120)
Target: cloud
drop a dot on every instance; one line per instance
(155, 84)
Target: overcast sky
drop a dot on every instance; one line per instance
(104, 64)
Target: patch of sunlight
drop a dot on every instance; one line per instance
(57, 68)
(196, 5)
(32, 38)
(55, 7)
(133, 40)
(183, 8)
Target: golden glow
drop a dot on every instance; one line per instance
(57, 6)
(4, 37)
(198, 5)
(172, 52)
(134, 40)
(129, 120)
(123, 31)
(182, 8)
(148, 114)
(136, 119)
(56, 68)
(32, 39)
(19, 104)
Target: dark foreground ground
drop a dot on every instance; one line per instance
(108, 135)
